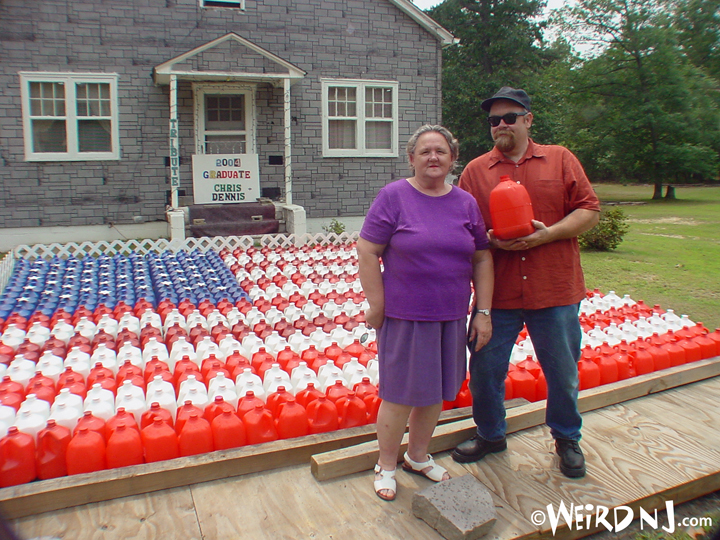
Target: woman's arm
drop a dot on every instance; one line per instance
(483, 281)
(371, 280)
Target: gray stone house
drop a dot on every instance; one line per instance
(104, 104)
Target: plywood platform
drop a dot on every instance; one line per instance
(640, 453)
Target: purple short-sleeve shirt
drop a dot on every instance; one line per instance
(430, 242)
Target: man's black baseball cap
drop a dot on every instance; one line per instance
(517, 95)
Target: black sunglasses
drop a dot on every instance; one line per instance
(509, 118)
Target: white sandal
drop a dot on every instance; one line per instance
(385, 482)
(436, 472)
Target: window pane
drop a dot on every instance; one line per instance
(94, 136)
(342, 101)
(47, 99)
(225, 113)
(90, 100)
(378, 102)
(342, 134)
(49, 136)
(225, 144)
(378, 135)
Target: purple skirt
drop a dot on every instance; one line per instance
(421, 363)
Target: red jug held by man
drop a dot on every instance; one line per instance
(511, 210)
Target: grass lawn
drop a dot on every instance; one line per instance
(671, 254)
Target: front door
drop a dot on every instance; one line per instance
(225, 119)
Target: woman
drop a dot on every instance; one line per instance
(432, 241)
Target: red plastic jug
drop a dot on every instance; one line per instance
(307, 395)
(159, 441)
(217, 407)
(121, 417)
(85, 452)
(276, 399)
(372, 402)
(228, 431)
(260, 425)
(353, 411)
(17, 458)
(195, 436)
(52, 451)
(675, 350)
(588, 373)
(247, 403)
(511, 211)
(183, 413)
(541, 387)
(523, 384)
(292, 419)
(156, 411)
(322, 415)
(124, 448)
(93, 423)
(656, 347)
(642, 360)
(336, 391)
(608, 368)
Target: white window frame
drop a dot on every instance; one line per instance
(231, 4)
(70, 80)
(199, 92)
(360, 85)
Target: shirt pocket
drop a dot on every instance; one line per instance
(549, 200)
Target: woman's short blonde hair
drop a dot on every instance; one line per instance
(452, 141)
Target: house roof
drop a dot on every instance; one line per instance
(285, 70)
(443, 35)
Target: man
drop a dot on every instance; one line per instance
(538, 279)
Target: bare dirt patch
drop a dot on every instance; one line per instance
(670, 220)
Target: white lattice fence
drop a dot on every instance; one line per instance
(142, 247)
(7, 266)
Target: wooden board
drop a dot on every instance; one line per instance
(364, 456)
(636, 457)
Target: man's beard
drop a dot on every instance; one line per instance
(505, 141)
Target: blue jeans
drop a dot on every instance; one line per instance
(556, 334)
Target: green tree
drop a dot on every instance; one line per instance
(698, 24)
(501, 44)
(641, 111)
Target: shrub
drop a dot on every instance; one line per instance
(337, 227)
(608, 233)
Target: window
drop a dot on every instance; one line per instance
(360, 118)
(225, 121)
(69, 117)
(224, 3)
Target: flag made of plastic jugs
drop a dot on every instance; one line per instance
(124, 447)
(51, 459)
(86, 452)
(228, 431)
(160, 442)
(17, 458)
(511, 211)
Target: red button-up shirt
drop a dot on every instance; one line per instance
(548, 275)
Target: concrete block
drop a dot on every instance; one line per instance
(459, 509)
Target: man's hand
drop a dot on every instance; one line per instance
(541, 236)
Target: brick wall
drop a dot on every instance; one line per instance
(370, 39)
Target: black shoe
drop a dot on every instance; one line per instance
(572, 461)
(477, 448)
